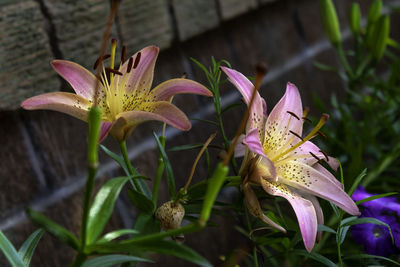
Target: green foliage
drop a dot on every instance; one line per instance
(28, 247)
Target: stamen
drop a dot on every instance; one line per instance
(295, 134)
(99, 60)
(321, 134)
(113, 48)
(326, 155)
(113, 71)
(123, 54)
(305, 111)
(309, 136)
(307, 119)
(137, 59)
(294, 115)
(130, 64)
(312, 154)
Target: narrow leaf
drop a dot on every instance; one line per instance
(367, 256)
(115, 234)
(53, 228)
(368, 220)
(103, 206)
(324, 228)
(375, 197)
(9, 251)
(141, 201)
(317, 257)
(112, 260)
(29, 246)
(168, 168)
(117, 159)
(357, 181)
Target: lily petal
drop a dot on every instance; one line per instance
(303, 208)
(240, 149)
(308, 147)
(104, 129)
(245, 87)
(286, 116)
(140, 78)
(169, 88)
(160, 111)
(265, 169)
(329, 175)
(310, 180)
(318, 211)
(81, 80)
(67, 103)
(252, 141)
(254, 207)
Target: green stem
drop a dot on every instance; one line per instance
(132, 172)
(79, 259)
(159, 173)
(255, 257)
(344, 61)
(338, 234)
(86, 203)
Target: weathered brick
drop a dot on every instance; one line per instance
(145, 23)
(194, 17)
(25, 54)
(233, 8)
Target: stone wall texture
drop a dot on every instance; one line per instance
(42, 163)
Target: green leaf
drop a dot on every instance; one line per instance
(140, 201)
(168, 168)
(357, 181)
(231, 106)
(335, 209)
(53, 228)
(375, 197)
(367, 220)
(9, 251)
(186, 147)
(324, 67)
(342, 234)
(147, 224)
(115, 234)
(315, 256)
(29, 246)
(206, 121)
(117, 159)
(112, 260)
(324, 228)
(103, 206)
(367, 256)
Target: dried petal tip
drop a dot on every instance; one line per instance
(137, 59)
(261, 69)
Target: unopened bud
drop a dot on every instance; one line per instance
(355, 19)
(170, 215)
(330, 21)
(380, 37)
(373, 17)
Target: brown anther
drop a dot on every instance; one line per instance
(113, 41)
(312, 154)
(123, 54)
(137, 59)
(293, 114)
(113, 71)
(326, 155)
(307, 119)
(130, 64)
(295, 134)
(184, 75)
(306, 111)
(99, 60)
(321, 134)
(261, 69)
(325, 117)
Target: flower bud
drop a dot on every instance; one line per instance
(170, 215)
(373, 16)
(330, 21)
(380, 37)
(355, 19)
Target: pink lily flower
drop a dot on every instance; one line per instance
(124, 96)
(284, 163)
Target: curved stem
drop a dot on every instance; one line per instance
(132, 172)
(159, 173)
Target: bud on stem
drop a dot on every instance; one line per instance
(330, 22)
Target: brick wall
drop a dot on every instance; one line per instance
(42, 164)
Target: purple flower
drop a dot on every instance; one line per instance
(376, 239)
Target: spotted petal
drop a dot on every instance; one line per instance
(67, 103)
(318, 211)
(303, 208)
(286, 116)
(245, 87)
(141, 78)
(81, 80)
(252, 141)
(311, 181)
(169, 88)
(308, 147)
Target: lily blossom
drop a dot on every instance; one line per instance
(284, 163)
(124, 94)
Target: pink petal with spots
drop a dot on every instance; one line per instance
(81, 80)
(318, 211)
(258, 110)
(329, 175)
(304, 209)
(240, 148)
(141, 78)
(67, 103)
(252, 141)
(159, 111)
(264, 169)
(104, 129)
(280, 121)
(311, 181)
(169, 88)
